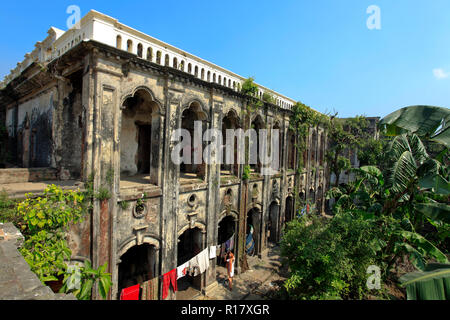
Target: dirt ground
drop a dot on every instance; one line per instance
(262, 281)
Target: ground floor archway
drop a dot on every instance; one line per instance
(273, 222)
(226, 237)
(289, 210)
(190, 243)
(253, 247)
(138, 265)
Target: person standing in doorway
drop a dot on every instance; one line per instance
(230, 268)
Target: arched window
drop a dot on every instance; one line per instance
(224, 81)
(175, 63)
(209, 76)
(130, 46)
(214, 77)
(149, 54)
(203, 74)
(220, 79)
(158, 57)
(190, 68)
(229, 83)
(119, 42)
(182, 65)
(139, 50)
(234, 85)
(167, 60)
(196, 71)
(188, 118)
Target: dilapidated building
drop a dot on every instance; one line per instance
(102, 101)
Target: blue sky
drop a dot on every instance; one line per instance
(318, 52)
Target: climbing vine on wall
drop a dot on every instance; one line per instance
(302, 118)
(250, 89)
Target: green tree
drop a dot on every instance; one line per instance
(344, 135)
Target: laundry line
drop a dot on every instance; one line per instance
(195, 266)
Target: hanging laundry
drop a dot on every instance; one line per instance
(212, 252)
(218, 248)
(153, 286)
(250, 244)
(150, 289)
(182, 270)
(227, 245)
(169, 278)
(144, 289)
(130, 293)
(222, 251)
(203, 260)
(194, 268)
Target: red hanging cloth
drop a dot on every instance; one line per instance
(130, 293)
(168, 278)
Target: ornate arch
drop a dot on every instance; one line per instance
(255, 116)
(275, 200)
(255, 205)
(132, 93)
(203, 108)
(276, 123)
(133, 241)
(226, 213)
(233, 111)
(197, 224)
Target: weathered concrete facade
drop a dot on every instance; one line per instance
(101, 112)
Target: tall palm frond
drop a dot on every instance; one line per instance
(403, 173)
(406, 154)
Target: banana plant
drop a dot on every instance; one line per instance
(431, 284)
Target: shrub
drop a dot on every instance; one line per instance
(328, 259)
(45, 224)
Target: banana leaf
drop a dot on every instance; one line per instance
(423, 246)
(435, 211)
(422, 120)
(431, 284)
(435, 182)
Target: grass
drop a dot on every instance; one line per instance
(7, 209)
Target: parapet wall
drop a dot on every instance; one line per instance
(17, 281)
(17, 175)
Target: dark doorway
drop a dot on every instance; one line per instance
(225, 232)
(189, 245)
(289, 210)
(272, 225)
(144, 147)
(253, 228)
(137, 265)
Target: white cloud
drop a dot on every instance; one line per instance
(440, 73)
